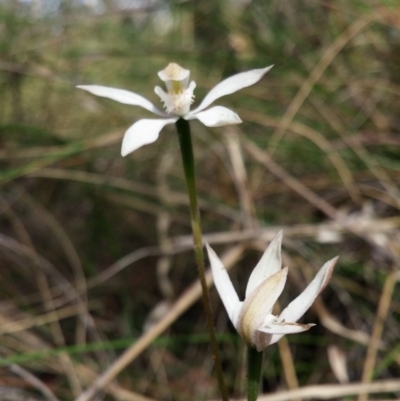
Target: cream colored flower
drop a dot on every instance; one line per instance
(253, 318)
(177, 101)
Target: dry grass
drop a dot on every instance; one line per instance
(99, 296)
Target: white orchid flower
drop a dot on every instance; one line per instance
(177, 101)
(253, 318)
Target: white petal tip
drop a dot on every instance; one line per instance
(328, 270)
(330, 264)
(269, 264)
(335, 259)
(208, 247)
(213, 258)
(278, 240)
(126, 149)
(267, 69)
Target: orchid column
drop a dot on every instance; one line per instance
(177, 101)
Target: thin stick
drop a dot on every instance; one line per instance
(381, 315)
(331, 391)
(34, 381)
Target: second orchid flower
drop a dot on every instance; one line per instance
(253, 318)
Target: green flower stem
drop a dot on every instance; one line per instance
(185, 142)
(254, 369)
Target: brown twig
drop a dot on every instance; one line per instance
(381, 315)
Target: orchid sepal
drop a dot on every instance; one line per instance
(231, 85)
(122, 96)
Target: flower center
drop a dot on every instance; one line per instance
(180, 93)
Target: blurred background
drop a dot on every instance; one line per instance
(95, 249)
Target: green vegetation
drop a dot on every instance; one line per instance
(92, 243)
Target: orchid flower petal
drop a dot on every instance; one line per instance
(296, 309)
(224, 286)
(269, 264)
(285, 328)
(122, 96)
(231, 85)
(217, 117)
(259, 304)
(142, 133)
